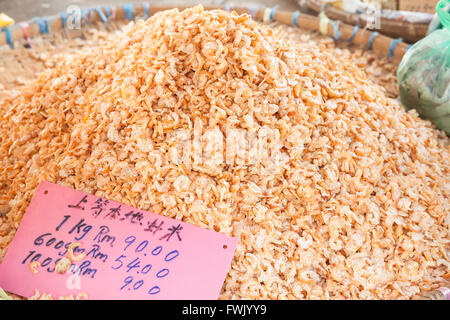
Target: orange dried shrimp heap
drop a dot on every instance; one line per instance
(349, 200)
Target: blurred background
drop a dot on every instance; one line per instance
(21, 10)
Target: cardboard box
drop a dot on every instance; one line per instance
(390, 4)
(428, 6)
(342, 4)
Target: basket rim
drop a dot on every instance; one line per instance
(381, 44)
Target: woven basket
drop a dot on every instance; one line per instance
(380, 44)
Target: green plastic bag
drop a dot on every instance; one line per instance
(424, 74)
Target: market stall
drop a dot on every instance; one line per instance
(259, 152)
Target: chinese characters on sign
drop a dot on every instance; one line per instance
(124, 252)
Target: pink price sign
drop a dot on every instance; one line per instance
(116, 251)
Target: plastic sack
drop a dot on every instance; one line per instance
(5, 20)
(3, 295)
(424, 74)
